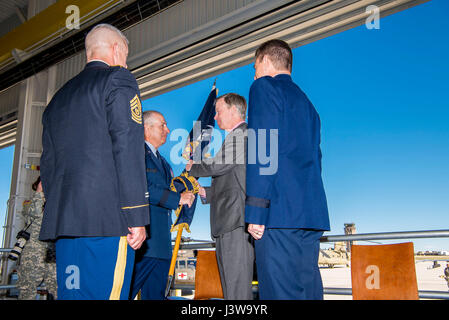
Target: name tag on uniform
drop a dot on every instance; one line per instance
(151, 170)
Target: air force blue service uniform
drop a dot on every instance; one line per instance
(291, 203)
(93, 176)
(153, 258)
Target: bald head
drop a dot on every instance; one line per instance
(107, 43)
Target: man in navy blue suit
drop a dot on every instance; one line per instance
(93, 173)
(153, 258)
(286, 209)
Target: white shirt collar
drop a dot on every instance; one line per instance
(152, 148)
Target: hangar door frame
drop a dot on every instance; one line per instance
(170, 66)
(215, 47)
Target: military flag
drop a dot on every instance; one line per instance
(196, 148)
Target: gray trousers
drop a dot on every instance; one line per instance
(235, 258)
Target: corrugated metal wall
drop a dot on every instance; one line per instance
(182, 18)
(8, 15)
(179, 38)
(9, 100)
(189, 29)
(69, 68)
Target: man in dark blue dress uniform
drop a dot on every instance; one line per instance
(286, 206)
(93, 173)
(153, 258)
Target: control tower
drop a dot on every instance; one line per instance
(349, 229)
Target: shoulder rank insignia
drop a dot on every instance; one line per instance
(136, 109)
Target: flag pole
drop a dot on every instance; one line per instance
(180, 227)
(171, 272)
(206, 119)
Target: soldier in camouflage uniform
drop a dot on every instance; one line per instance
(446, 274)
(38, 259)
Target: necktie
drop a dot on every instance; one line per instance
(159, 159)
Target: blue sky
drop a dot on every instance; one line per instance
(6, 162)
(382, 98)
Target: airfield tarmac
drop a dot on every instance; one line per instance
(429, 279)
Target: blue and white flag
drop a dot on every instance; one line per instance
(196, 148)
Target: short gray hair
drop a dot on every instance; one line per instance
(233, 99)
(94, 30)
(148, 116)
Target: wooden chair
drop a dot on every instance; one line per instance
(383, 272)
(207, 276)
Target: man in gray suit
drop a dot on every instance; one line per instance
(226, 195)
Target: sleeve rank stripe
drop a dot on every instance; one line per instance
(134, 207)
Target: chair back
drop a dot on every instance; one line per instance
(207, 276)
(383, 272)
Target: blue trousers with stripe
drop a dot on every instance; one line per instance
(94, 268)
(287, 265)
